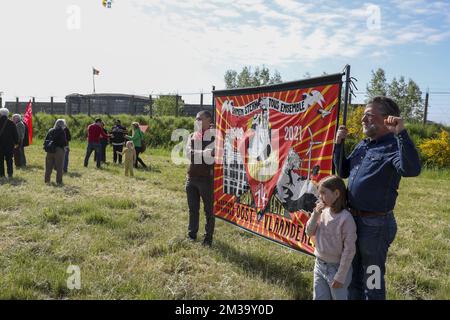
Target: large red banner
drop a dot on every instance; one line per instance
(273, 145)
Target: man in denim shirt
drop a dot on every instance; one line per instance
(374, 169)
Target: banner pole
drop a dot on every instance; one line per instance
(213, 106)
(344, 115)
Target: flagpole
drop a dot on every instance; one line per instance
(93, 78)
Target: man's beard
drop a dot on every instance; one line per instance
(370, 130)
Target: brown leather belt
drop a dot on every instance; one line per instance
(359, 213)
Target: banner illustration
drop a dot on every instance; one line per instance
(273, 145)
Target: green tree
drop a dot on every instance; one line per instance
(378, 85)
(407, 94)
(408, 97)
(230, 79)
(248, 77)
(165, 105)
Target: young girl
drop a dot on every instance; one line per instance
(137, 138)
(130, 158)
(335, 236)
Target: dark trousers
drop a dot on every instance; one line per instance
(66, 159)
(117, 156)
(103, 145)
(375, 235)
(138, 159)
(197, 188)
(19, 157)
(93, 147)
(54, 161)
(8, 157)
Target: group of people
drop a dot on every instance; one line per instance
(13, 140)
(354, 225)
(56, 144)
(98, 138)
(14, 137)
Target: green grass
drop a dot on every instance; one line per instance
(127, 235)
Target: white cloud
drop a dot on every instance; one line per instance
(169, 45)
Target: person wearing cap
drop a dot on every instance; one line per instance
(9, 139)
(374, 170)
(94, 133)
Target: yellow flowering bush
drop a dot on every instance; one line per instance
(436, 151)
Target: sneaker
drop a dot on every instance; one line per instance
(207, 242)
(192, 239)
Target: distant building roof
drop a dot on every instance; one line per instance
(108, 95)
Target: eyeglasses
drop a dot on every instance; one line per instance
(371, 115)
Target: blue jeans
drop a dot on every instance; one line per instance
(375, 235)
(66, 159)
(324, 273)
(93, 147)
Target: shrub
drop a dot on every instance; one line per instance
(158, 134)
(436, 152)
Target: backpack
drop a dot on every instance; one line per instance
(49, 143)
(26, 138)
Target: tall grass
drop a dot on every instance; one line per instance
(127, 235)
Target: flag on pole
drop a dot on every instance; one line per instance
(28, 120)
(95, 72)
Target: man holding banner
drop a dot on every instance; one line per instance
(374, 170)
(199, 183)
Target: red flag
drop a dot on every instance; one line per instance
(28, 120)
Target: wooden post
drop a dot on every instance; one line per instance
(17, 104)
(34, 107)
(201, 101)
(425, 111)
(52, 111)
(176, 105)
(150, 106)
(89, 106)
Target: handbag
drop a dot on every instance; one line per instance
(49, 143)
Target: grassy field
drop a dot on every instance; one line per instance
(127, 235)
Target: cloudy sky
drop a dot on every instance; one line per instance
(48, 48)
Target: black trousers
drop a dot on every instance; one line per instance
(196, 189)
(117, 156)
(19, 157)
(138, 159)
(8, 157)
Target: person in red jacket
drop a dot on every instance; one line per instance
(95, 132)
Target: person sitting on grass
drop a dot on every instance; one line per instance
(129, 154)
